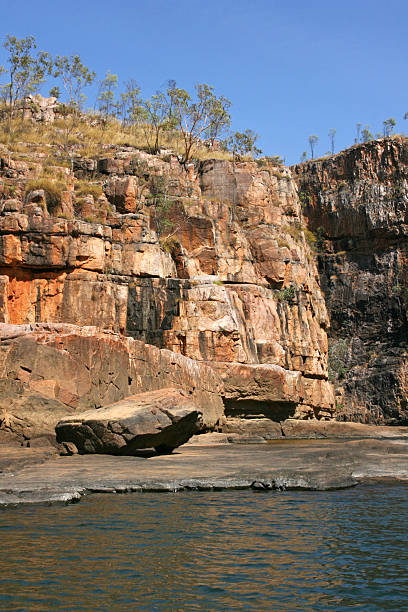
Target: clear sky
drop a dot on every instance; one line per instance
(291, 69)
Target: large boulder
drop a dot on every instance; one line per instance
(162, 419)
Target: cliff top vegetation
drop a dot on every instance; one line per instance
(193, 124)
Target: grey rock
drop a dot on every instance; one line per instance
(162, 419)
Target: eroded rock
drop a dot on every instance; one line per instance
(163, 420)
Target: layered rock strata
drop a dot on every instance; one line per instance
(49, 371)
(214, 264)
(357, 207)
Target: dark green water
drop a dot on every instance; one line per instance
(238, 550)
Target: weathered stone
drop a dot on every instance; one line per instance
(356, 204)
(51, 371)
(162, 419)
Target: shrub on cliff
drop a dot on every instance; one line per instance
(52, 189)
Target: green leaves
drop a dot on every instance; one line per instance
(106, 97)
(243, 143)
(198, 118)
(75, 76)
(25, 71)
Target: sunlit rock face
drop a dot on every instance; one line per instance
(356, 203)
(214, 263)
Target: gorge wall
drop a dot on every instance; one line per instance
(129, 273)
(356, 205)
(213, 264)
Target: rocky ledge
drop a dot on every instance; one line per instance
(279, 465)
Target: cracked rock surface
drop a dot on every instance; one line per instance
(162, 419)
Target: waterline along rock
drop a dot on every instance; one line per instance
(139, 276)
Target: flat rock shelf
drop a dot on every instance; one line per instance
(281, 464)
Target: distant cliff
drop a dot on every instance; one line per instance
(356, 204)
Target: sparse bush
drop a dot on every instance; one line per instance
(287, 294)
(52, 189)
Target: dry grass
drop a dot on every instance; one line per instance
(85, 188)
(52, 189)
(85, 136)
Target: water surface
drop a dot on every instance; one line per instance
(229, 550)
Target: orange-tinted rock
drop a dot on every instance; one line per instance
(49, 371)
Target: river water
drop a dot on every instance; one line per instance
(227, 550)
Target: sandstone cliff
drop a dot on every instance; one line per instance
(214, 264)
(356, 203)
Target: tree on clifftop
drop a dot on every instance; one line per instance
(312, 142)
(106, 95)
(75, 77)
(153, 116)
(332, 134)
(389, 125)
(243, 143)
(199, 118)
(25, 72)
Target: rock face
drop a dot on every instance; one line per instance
(162, 419)
(215, 265)
(357, 206)
(49, 371)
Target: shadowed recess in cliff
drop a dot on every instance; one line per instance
(275, 411)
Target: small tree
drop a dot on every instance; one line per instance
(243, 143)
(389, 125)
(25, 72)
(129, 100)
(106, 97)
(358, 130)
(312, 142)
(303, 157)
(366, 135)
(332, 135)
(198, 118)
(153, 116)
(75, 78)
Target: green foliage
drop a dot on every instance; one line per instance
(305, 199)
(338, 351)
(310, 237)
(75, 77)
(25, 72)
(287, 294)
(203, 116)
(366, 135)
(332, 135)
(129, 101)
(55, 92)
(154, 118)
(269, 160)
(243, 143)
(106, 96)
(389, 125)
(313, 139)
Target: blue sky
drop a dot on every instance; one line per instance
(290, 69)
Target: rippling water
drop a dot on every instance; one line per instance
(238, 550)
